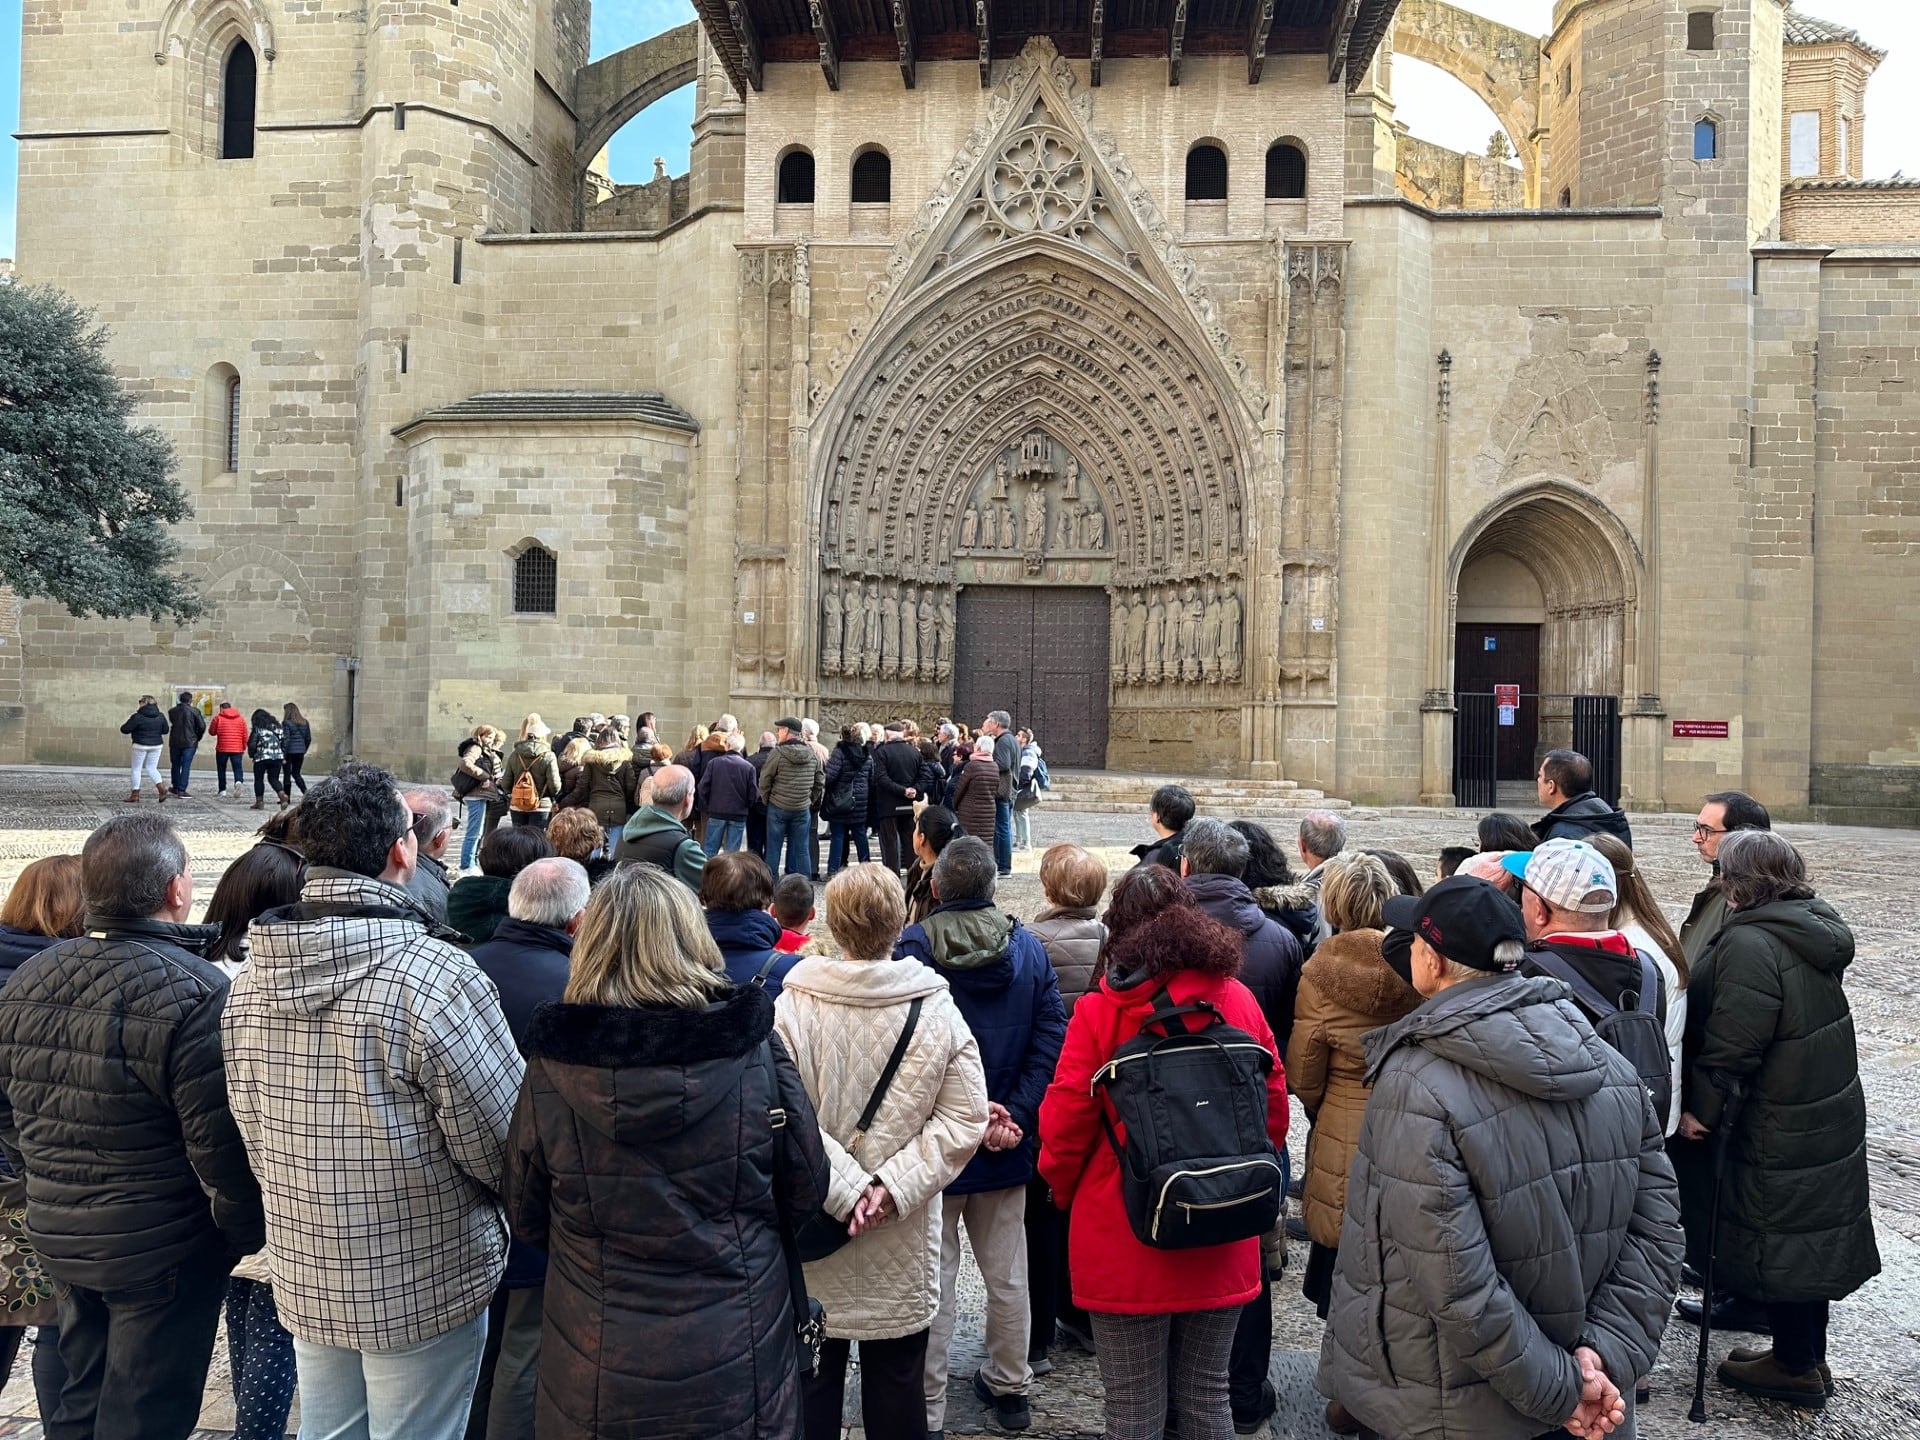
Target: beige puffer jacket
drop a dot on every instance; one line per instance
(840, 1019)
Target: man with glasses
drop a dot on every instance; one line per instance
(1720, 815)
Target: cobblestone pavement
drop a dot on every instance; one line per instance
(1869, 876)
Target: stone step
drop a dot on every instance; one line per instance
(1113, 792)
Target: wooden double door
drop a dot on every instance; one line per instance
(1041, 654)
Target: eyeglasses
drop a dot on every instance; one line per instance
(1702, 831)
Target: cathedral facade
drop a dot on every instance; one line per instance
(1121, 364)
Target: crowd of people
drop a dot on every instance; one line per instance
(277, 746)
(630, 1134)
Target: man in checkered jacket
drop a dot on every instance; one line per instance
(372, 1075)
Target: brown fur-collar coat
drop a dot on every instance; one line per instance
(1346, 990)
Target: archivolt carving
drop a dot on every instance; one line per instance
(1034, 167)
(185, 17)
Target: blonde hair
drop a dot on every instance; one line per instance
(48, 899)
(866, 910)
(489, 736)
(575, 751)
(1071, 877)
(533, 727)
(576, 833)
(699, 736)
(1353, 891)
(644, 942)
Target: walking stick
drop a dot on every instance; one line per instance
(1735, 1093)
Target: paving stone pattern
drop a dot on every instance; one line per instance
(1867, 874)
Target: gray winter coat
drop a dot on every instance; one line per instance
(1511, 1198)
(1073, 937)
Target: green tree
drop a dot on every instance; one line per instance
(85, 497)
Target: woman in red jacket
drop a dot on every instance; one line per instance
(1163, 1320)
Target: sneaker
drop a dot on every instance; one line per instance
(1297, 1228)
(1255, 1423)
(1040, 1363)
(1296, 1187)
(1746, 1354)
(1010, 1412)
(1769, 1379)
(1076, 1335)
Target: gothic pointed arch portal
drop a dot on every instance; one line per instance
(1039, 404)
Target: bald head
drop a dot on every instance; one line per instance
(673, 790)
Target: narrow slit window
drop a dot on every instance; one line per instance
(536, 581)
(237, 101)
(1700, 30)
(233, 426)
(459, 260)
(1706, 140)
(399, 114)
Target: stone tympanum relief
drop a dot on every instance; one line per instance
(1035, 502)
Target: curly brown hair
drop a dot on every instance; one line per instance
(1154, 928)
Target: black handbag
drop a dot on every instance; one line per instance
(809, 1316)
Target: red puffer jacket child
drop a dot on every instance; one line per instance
(229, 730)
(1195, 958)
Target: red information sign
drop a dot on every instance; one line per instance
(1700, 729)
(1506, 695)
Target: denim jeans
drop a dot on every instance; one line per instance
(136, 1358)
(470, 840)
(1023, 827)
(787, 830)
(182, 767)
(843, 833)
(1003, 835)
(418, 1392)
(223, 758)
(724, 835)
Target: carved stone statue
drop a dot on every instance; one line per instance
(1073, 480)
(1190, 636)
(1176, 633)
(1230, 634)
(869, 634)
(1063, 530)
(1117, 637)
(889, 646)
(1093, 528)
(1136, 637)
(1159, 552)
(969, 528)
(1000, 478)
(947, 626)
(1007, 539)
(830, 618)
(909, 636)
(876, 525)
(1036, 519)
(855, 604)
(1154, 667)
(928, 620)
(1210, 637)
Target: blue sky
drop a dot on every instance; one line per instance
(1434, 105)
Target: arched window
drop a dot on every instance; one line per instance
(796, 178)
(237, 103)
(1206, 173)
(872, 178)
(536, 581)
(232, 451)
(1286, 171)
(1700, 30)
(1706, 140)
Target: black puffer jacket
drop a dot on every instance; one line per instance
(112, 1090)
(146, 726)
(1765, 1006)
(642, 1158)
(1580, 817)
(1273, 956)
(849, 770)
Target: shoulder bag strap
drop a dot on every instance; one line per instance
(1561, 968)
(773, 959)
(808, 1329)
(892, 1069)
(1649, 984)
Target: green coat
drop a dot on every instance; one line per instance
(1765, 1006)
(1702, 925)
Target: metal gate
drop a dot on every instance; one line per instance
(1476, 742)
(1041, 654)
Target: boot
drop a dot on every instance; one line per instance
(1730, 1312)
(286, 798)
(1744, 1354)
(162, 788)
(259, 802)
(1341, 1420)
(133, 797)
(1770, 1380)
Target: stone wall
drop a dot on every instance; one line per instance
(1850, 212)
(1443, 179)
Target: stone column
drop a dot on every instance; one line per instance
(1436, 708)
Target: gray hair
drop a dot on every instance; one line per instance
(432, 813)
(1213, 847)
(1002, 719)
(672, 784)
(810, 728)
(1507, 955)
(728, 724)
(1323, 834)
(127, 864)
(948, 732)
(965, 871)
(736, 741)
(767, 737)
(1758, 867)
(549, 892)
(983, 745)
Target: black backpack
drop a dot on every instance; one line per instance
(1630, 1023)
(1198, 1167)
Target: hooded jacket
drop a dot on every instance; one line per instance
(1765, 1006)
(727, 787)
(793, 777)
(747, 939)
(1073, 937)
(1272, 965)
(847, 786)
(477, 905)
(1346, 990)
(113, 1103)
(1006, 988)
(533, 756)
(229, 730)
(840, 1019)
(185, 727)
(605, 785)
(1579, 817)
(1510, 1199)
(653, 837)
(1112, 1271)
(373, 1076)
(643, 1159)
(973, 797)
(1297, 907)
(146, 726)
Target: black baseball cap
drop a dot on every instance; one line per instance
(1463, 918)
